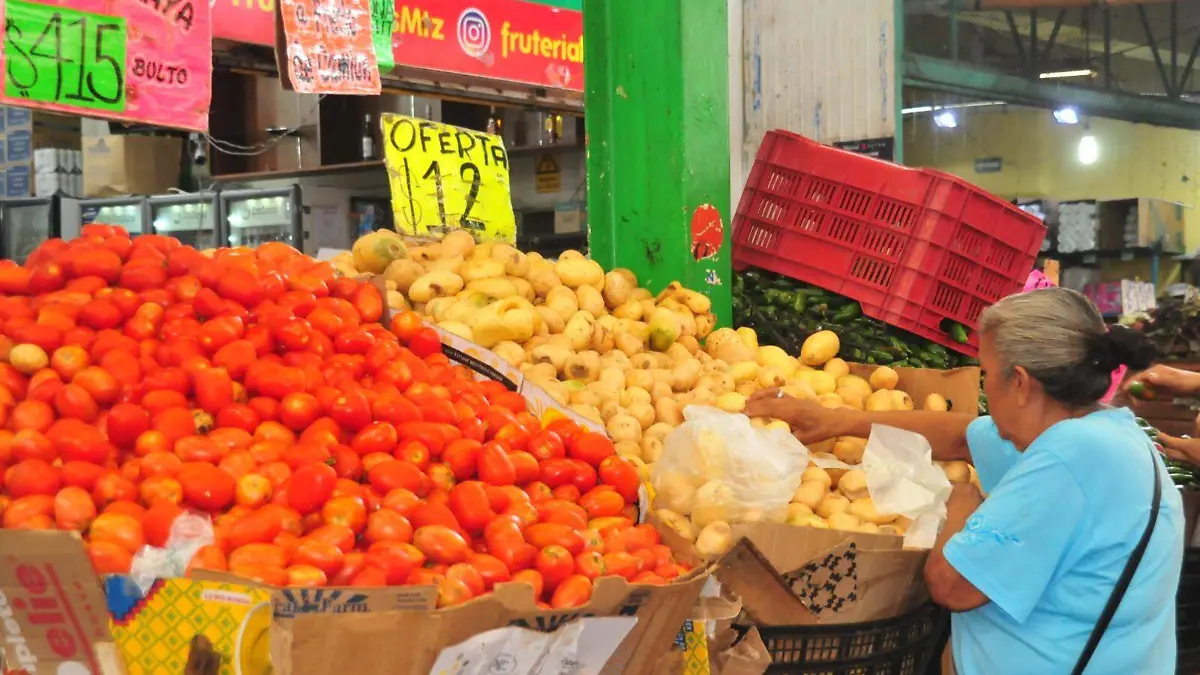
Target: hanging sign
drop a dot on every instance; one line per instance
(447, 178)
(328, 46)
(383, 18)
(147, 62)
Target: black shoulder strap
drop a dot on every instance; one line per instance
(1126, 575)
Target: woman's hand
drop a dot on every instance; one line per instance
(1164, 380)
(810, 422)
(1180, 449)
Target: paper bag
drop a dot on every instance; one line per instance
(745, 656)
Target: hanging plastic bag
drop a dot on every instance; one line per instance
(189, 533)
(902, 479)
(717, 467)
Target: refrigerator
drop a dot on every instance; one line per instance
(191, 218)
(128, 212)
(25, 223)
(257, 216)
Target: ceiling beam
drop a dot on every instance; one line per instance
(948, 77)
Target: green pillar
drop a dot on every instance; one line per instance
(657, 112)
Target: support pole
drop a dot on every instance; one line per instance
(657, 114)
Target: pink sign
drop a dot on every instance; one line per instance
(136, 61)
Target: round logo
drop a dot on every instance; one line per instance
(474, 33)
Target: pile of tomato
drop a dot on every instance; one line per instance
(141, 379)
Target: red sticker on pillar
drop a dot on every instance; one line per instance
(708, 238)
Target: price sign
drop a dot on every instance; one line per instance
(447, 178)
(151, 63)
(329, 47)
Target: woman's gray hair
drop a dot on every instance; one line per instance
(1042, 330)
(1060, 339)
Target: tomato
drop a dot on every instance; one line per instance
(406, 325)
(555, 564)
(257, 554)
(30, 444)
(556, 472)
(425, 343)
(113, 487)
(462, 457)
(73, 509)
(160, 489)
(157, 523)
(207, 487)
(441, 544)
(213, 389)
(80, 474)
(547, 445)
(622, 476)
(401, 501)
(392, 474)
(396, 560)
(490, 569)
(338, 535)
(471, 507)
(351, 411)
(387, 525)
(495, 467)
(38, 509)
(322, 555)
(415, 453)
(109, 557)
(575, 591)
(542, 535)
(125, 422)
(603, 502)
(36, 415)
(348, 511)
(563, 512)
(253, 490)
(259, 526)
(591, 447)
(32, 477)
(119, 529)
(310, 487)
(159, 464)
(375, 437)
(209, 557)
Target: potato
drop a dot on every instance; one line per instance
(544, 280)
(795, 510)
(617, 289)
(580, 272)
(658, 430)
(715, 540)
(731, 402)
(849, 449)
(583, 366)
(836, 367)
(643, 413)
(652, 448)
(936, 403)
(854, 485)
(843, 521)
(397, 302)
(628, 449)
(667, 411)
(634, 395)
(539, 371)
(833, 503)
(815, 474)
(810, 494)
(496, 287)
(590, 300)
(864, 509)
(623, 427)
(880, 401)
(552, 320)
(553, 354)
(403, 273)
(884, 378)
(819, 348)
(681, 525)
(458, 242)
(901, 400)
(579, 330)
(563, 301)
(435, 284)
(685, 375)
(476, 269)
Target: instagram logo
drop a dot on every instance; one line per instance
(474, 33)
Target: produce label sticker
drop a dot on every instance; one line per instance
(447, 178)
(329, 46)
(148, 62)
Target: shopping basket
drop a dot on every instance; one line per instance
(910, 644)
(916, 248)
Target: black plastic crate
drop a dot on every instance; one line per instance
(911, 644)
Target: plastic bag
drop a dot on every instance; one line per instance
(717, 467)
(189, 533)
(902, 479)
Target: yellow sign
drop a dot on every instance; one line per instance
(548, 175)
(447, 178)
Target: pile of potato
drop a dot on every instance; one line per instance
(598, 343)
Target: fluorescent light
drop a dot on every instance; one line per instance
(1066, 116)
(1089, 150)
(953, 106)
(918, 109)
(1060, 74)
(945, 119)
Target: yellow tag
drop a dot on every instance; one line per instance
(446, 178)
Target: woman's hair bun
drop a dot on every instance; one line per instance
(1124, 346)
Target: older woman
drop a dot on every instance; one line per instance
(1034, 571)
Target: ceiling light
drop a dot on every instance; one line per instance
(945, 119)
(1066, 116)
(1060, 74)
(1089, 150)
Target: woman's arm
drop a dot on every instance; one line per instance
(1180, 449)
(812, 423)
(946, 586)
(1167, 379)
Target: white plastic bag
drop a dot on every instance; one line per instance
(189, 533)
(902, 479)
(717, 467)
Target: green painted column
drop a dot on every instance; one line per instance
(657, 113)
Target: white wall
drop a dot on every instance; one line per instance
(820, 68)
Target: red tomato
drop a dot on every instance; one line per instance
(495, 467)
(575, 591)
(591, 447)
(310, 487)
(471, 507)
(441, 544)
(555, 564)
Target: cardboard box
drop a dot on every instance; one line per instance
(130, 165)
(1158, 222)
(569, 218)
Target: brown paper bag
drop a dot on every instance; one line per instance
(747, 656)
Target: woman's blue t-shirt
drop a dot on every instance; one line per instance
(1048, 543)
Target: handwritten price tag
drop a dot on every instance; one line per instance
(447, 178)
(146, 65)
(58, 55)
(330, 47)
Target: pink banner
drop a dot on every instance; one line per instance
(148, 62)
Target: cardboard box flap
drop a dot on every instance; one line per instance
(787, 547)
(960, 386)
(372, 638)
(56, 619)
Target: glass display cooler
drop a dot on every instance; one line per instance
(191, 218)
(257, 216)
(25, 223)
(128, 212)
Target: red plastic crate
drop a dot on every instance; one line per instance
(913, 246)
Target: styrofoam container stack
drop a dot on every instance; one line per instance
(1077, 227)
